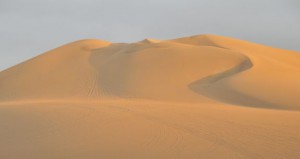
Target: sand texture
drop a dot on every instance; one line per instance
(203, 96)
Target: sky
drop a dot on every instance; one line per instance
(29, 28)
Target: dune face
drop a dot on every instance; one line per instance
(204, 96)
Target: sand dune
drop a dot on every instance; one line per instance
(204, 96)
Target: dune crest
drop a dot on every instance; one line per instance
(181, 98)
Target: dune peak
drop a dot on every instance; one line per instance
(149, 40)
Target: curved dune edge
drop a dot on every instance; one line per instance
(205, 87)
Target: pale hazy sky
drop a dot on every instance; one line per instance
(31, 27)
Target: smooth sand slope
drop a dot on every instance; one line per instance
(197, 97)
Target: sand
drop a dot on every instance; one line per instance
(203, 96)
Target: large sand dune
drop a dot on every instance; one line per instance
(197, 97)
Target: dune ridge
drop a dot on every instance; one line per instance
(204, 96)
(226, 62)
